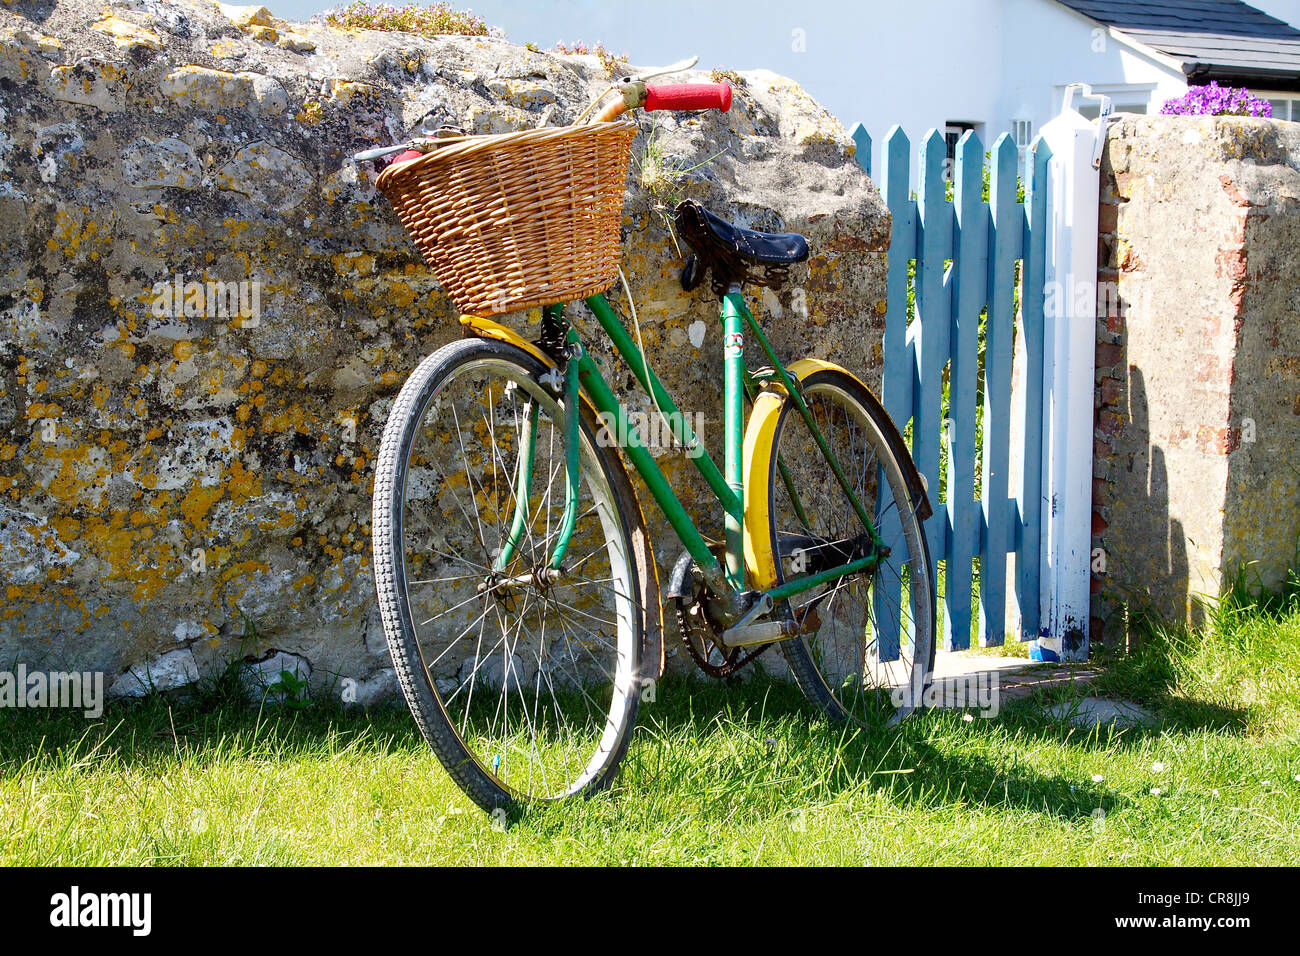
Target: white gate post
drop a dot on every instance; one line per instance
(1068, 380)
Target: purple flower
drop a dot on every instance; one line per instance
(1216, 100)
(432, 20)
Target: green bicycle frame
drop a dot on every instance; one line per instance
(727, 485)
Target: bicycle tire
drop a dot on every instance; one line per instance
(865, 462)
(392, 509)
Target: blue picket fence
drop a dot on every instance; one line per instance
(965, 252)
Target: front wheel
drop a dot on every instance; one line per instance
(871, 652)
(523, 681)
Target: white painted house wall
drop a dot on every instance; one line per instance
(991, 62)
(915, 62)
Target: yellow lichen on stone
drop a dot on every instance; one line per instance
(200, 86)
(16, 60)
(295, 42)
(127, 35)
(247, 16)
(219, 89)
(259, 23)
(354, 263)
(198, 502)
(343, 92)
(89, 82)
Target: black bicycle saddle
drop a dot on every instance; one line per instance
(733, 254)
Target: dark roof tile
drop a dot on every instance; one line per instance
(1203, 35)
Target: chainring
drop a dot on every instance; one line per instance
(700, 635)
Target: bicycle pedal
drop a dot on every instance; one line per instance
(764, 632)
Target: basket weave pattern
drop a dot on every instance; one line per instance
(516, 220)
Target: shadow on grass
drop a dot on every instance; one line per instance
(933, 757)
(699, 739)
(159, 728)
(702, 741)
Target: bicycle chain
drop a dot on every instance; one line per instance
(706, 632)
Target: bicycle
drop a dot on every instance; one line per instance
(516, 583)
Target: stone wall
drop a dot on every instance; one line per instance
(1198, 361)
(173, 484)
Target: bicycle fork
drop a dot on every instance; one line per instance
(527, 455)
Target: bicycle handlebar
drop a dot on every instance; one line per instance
(665, 96)
(378, 152)
(688, 96)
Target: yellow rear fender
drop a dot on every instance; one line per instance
(760, 434)
(801, 369)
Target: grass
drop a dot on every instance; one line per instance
(721, 773)
(662, 177)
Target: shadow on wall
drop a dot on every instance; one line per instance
(1146, 564)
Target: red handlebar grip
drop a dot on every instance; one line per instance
(406, 157)
(688, 96)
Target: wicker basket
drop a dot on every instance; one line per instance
(516, 220)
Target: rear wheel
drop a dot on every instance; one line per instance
(524, 683)
(872, 650)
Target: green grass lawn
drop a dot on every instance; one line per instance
(736, 774)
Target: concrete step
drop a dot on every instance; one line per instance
(1017, 677)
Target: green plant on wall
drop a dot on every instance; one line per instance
(615, 65)
(663, 177)
(289, 690)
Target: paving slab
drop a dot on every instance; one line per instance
(951, 664)
(1099, 712)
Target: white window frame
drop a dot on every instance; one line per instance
(1022, 131)
(1123, 96)
(1291, 98)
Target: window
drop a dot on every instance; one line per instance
(1022, 130)
(953, 130)
(1124, 98)
(1285, 105)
